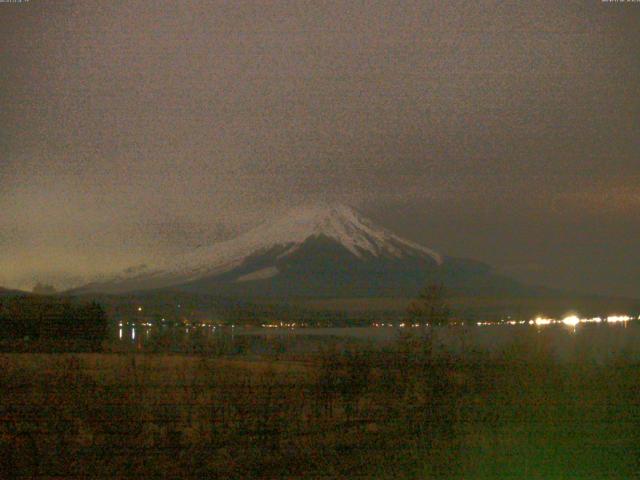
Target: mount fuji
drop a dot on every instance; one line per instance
(314, 252)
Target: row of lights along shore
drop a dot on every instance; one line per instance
(571, 320)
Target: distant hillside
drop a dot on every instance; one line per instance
(7, 292)
(177, 306)
(484, 307)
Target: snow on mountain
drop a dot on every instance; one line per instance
(338, 222)
(286, 234)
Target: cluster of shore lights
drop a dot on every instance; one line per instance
(412, 325)
(571, 321)
(283, 325)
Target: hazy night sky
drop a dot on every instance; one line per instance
(508, 132)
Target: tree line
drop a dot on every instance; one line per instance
(32, 319)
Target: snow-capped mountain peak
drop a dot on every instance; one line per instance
(338, 222)
(345, 225)
(284, 235)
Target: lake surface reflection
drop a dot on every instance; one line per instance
(601, 342)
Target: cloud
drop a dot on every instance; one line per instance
(133, 130)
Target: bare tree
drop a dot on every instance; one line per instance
(431, 306)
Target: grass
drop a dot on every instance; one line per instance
(392, 412)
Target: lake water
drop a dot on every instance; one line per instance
(585, 342)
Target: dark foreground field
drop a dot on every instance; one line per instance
(398, 412)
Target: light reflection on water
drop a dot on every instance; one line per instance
(564, 339)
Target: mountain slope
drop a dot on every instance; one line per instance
(320, 251)
(340, 223)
